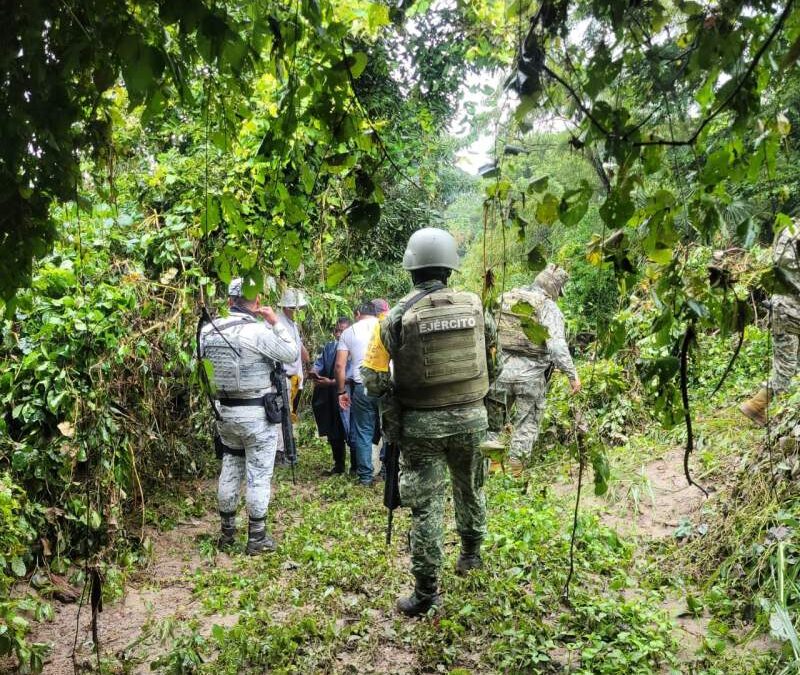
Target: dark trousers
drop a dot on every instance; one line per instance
(338, 451)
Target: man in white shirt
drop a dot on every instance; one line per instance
(292, 300)
(363, 409)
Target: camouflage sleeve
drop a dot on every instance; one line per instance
(550, 316)
(494, 362)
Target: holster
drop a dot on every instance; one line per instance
(272, 407)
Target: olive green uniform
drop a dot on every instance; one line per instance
(435, 437)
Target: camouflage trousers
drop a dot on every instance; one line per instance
(785, 341)
(522, 403)
(241, 428)
(423, 475)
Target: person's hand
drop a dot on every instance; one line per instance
(575, 385)
(327, 381)
(268, 313)
(344, 401)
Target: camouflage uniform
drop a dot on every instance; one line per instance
(432, 441)
(245, 428)
(786, 311)
(521, 390)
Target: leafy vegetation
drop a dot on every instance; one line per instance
(154, 149)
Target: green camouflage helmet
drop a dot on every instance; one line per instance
(552, 280)
(431, 247)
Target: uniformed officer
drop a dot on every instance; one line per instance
(443, 353)
(521, 389)
(242, 348)
(291, 300)
(785, 324)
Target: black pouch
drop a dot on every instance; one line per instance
(272, 406)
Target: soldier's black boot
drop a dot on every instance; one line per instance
(258, 541)
(227, 536)
(421, 600)
(470, 557)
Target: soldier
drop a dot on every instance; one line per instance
(291, 300)
(242, 349)
(785, 324)
(527, 366)
(443, 354)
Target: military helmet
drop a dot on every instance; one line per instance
(237, 287)
(292, 297)
(431, 247)
(552, 280)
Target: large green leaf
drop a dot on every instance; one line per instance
(336, 273)
(547, 210)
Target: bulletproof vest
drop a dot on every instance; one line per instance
(442, 356)
(239, 371)
(509, 327)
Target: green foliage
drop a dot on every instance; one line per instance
(16, 536)
(95, 395)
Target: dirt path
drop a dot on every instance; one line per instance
(645, 505)
(129, 629)
(648, 504)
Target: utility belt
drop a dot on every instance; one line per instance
(272, 404)
(270, 401)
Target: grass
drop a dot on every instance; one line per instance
(324, 601)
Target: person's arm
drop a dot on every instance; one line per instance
(276, 344)
(494, 358)
(339, 368)
(551, 318)
(314, 373)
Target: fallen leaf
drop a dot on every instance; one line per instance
(66, 429)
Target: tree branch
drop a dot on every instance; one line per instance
(706, 121)
(756, 59)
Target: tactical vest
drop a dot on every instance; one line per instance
(509, 327)
(442, 356)
(239, 372)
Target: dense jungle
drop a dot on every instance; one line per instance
(153, 150)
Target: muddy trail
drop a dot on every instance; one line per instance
(128, 630)
(188, 586)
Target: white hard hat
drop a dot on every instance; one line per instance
(292, 297)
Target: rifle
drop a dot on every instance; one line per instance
(391, 485)
(278, 377)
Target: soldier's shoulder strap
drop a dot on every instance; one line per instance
(408, 304)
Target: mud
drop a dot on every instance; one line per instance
(129, 630)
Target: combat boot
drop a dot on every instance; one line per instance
(515, 466)
(421, 600)
(227, 536)
(755, 408)
(470, 557)
(495, 452)
(258, 541)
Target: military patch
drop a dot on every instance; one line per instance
(450, 323)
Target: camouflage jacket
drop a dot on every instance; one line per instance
(785, 253)
(519, 367)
